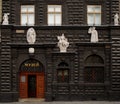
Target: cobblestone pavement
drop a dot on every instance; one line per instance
(62, 102)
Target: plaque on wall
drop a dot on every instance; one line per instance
(23, 79)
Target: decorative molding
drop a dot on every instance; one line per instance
(40, 45)
(25, 0)
(95, 1)
(55, 1)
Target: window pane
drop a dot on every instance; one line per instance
(66, 72)
(58, 9)
(98, 19)
(31, 9)
(90, 8)
(58, 19)
(23, 9)
(60, 73)
(30, 19)
(50, 8)
(62, 76)
(23, 19)
(50, 19)
(59, 76)
(98, 9)
(90, 19)
(94, 75)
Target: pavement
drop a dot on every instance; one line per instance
(63, 102)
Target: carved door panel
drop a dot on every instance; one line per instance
(40, 85)
(23, 86)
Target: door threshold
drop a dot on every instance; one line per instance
(32, 100)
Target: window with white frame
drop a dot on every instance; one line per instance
(54, 15)
(94, 14)
(27, 15)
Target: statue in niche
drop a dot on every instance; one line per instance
(94, 34)
(31, 36)
(116, 19)
(5, 19)
(63, 43)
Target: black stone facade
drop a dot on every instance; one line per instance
(14, 50)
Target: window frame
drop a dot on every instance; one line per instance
(27, 13)
(90, 67)
(96, 71)
(94, 13)
(54, 13)
(63, 75)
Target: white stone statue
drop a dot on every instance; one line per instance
(116, 19)
(94, 34)
(31, 36)
(6, 19)
(63, 43)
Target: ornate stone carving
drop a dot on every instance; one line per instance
(31, 36)
(63, 43)
(31, 50)
(116, 19)
(6, 19)
(94, 34)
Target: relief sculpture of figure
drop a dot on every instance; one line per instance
(116, 19)
(31, 36)
(94, 34)
(5, 19)
(63, 43)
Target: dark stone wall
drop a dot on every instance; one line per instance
(14, 50)
(47, 52)
(115, 72)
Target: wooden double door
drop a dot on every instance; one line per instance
(32, 85)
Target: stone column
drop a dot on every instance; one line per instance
(6, 94)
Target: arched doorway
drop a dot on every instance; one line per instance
(31, 79)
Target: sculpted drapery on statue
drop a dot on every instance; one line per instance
(31, 36)
(94, 34)
(6, 19)
(63, 43)
(116, 19)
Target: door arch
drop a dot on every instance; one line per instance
(31, 79)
